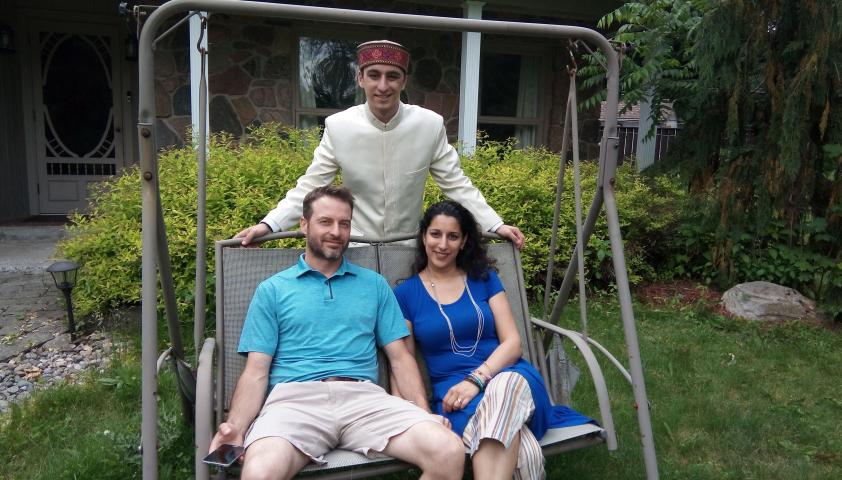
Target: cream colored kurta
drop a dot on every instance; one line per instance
(385, 166)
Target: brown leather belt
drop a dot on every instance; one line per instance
(340, 379)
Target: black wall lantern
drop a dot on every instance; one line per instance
(7, 39)
(64, 275)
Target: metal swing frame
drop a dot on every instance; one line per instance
(155, 255)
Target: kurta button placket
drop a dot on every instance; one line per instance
(388, 189)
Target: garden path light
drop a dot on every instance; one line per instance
(64, 276)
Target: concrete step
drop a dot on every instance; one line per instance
(15, 233)
(28, 249)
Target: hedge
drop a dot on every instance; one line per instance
(246, 180)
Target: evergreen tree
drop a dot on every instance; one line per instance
(766, 124)
(760, 96)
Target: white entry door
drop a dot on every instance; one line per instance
(78, 127)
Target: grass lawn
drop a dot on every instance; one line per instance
(730, 400)
(91, 430)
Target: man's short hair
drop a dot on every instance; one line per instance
(339, 192)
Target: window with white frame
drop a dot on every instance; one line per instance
(509, 104)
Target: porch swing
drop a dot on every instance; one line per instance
(240, 270)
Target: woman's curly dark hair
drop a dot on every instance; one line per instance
(473, 259)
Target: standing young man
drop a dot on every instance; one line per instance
(310, 335)
(384, 150)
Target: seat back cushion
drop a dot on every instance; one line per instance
(508, 270)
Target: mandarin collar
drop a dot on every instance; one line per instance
(391, 124)
(304, 267)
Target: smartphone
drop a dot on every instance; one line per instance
(225, 455)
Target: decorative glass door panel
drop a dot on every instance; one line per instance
(79, 136)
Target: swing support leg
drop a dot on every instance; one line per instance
(635, 364)
(604, 195)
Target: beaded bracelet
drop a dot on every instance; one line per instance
(476, 380)
(485, 378)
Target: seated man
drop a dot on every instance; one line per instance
(310, 335)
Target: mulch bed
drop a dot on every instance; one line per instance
(685, 293)
(681, 293)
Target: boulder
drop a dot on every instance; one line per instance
(767, 301)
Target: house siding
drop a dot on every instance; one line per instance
(14, 195)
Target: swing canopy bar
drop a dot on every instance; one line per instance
(154, 246)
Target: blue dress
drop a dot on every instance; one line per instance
(447, 368)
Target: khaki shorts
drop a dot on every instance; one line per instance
(316, 417)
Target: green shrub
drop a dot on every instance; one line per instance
(520, 185)
(245, 181)
(774, 252)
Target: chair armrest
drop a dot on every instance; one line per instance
(204, 407)
(596, 374)
(612, 358)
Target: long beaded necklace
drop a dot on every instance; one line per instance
(454, 345)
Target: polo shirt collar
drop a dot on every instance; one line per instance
(304, 268)
(393, 123)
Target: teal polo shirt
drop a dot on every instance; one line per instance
(316, 327)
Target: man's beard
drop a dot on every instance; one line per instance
(317, 250)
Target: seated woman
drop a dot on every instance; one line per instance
(458, 313)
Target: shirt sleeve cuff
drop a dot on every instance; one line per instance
(273, 226)
(496, 226)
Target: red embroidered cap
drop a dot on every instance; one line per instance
(382, 51)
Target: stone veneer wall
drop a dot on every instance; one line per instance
(251, 70)
(434, 78)
(249, 78)
(250, 74)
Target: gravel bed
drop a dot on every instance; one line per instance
(58, 360)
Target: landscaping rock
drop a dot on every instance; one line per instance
(50, 363)
(767, 301)
(35, 353)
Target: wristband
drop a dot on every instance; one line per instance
(485, 377)
(476, 380)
